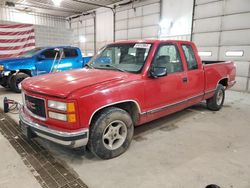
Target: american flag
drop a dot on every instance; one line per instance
(16, 39)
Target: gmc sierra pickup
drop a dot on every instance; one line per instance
(125, 85)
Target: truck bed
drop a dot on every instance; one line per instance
(211, 62)
(216, 71)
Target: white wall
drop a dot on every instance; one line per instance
(221, 27)
(104, 27)
(176, 19)
(49, 30)
(53, 36)
(13, 15)
(84, 33)
(138, 21)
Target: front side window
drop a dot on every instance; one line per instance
(190, 57)
(168, 57)
(124, 57)
(50, 54)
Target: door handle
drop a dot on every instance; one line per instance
(184, 79)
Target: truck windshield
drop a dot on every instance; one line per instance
(31, 52)
(129, 57)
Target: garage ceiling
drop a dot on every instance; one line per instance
(67, 7)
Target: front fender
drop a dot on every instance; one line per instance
(91, 100)
(14, 66)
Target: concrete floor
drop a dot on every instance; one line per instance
(189, 149)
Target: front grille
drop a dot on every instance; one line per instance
(36, 106)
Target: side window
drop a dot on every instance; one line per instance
(50, 54)
(190, 57)
(168, 56)
(70, 52)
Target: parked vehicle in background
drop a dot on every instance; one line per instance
(127, 84)
(39, 61)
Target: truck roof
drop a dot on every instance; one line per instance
(148, 41)
(57, 47)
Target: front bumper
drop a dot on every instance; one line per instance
(74, 139)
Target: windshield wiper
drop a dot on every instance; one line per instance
(112, 66)
(89, 66)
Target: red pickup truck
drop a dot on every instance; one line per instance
(125, 85)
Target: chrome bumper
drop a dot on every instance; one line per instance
(75, 139)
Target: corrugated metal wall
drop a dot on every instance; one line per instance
(49, 30)
(222, 32)
(13, 15)
(176, 19)
(104, 27)
(138, 22)
(84, 34)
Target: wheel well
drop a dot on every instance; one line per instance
(130, 107)
(224, 82)
(26, 72)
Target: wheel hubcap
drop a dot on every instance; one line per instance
(219, 97)
(114, 135)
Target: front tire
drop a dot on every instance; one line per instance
(3, 82)
(216, 102)
(16, 80)
(111, 133)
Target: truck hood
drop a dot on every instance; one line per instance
(9, 60)
(64, 83)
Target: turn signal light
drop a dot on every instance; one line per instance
(71, 118)
(70, 107)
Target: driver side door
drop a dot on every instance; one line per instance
(45, 61)
(165, 95)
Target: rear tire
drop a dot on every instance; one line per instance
(216, 102)
(111, 133)
(16, 80)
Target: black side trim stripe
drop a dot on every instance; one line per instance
(176, 104)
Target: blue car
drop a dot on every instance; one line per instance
(37, 62)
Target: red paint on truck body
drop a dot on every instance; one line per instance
(92, 89)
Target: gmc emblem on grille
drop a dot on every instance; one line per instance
(30, 105)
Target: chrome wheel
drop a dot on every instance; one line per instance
(219, 97)
(114, 135)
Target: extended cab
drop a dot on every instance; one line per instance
(125, 85)
(41, 60)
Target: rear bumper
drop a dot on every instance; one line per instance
(74, 139)
(231, 84)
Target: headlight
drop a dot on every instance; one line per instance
(58, 116)
(57, 105)
(62, 106)
(68, 111)
(1, 67)
(71, 118)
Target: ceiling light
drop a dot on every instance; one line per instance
(57, 2)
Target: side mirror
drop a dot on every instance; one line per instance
(156, 72)
(41, 57)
